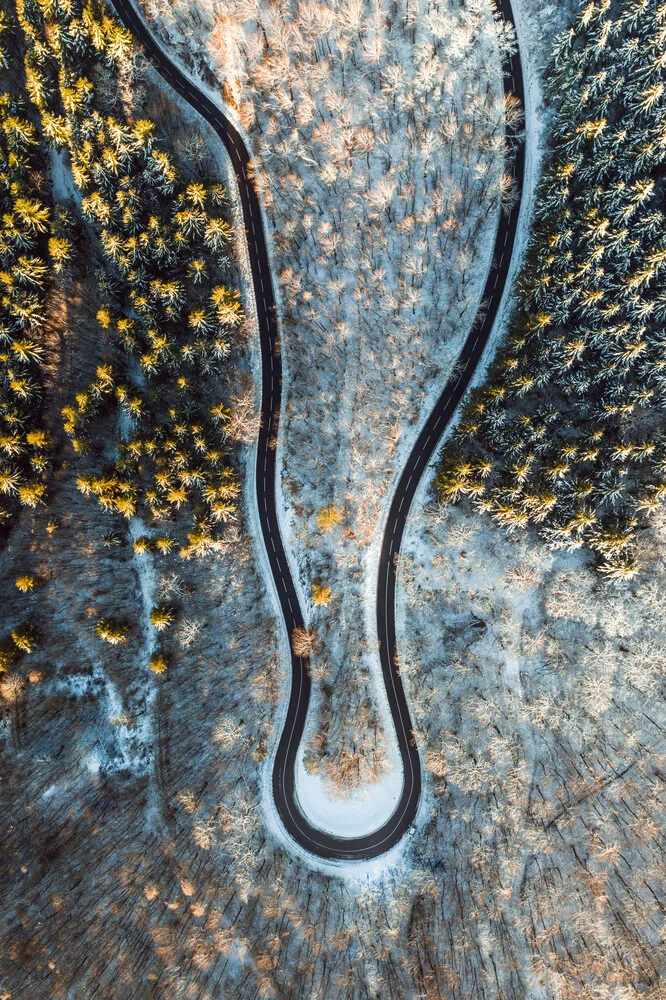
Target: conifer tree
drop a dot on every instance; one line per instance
(566, 432)
(166, 301)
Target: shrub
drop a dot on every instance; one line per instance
(24, 638)
(328, 517)
(111, 631)
(6, 659)
(321, 595)
(25, 583)
(164, 544)
(142, 545)
(12, 687)
(161, 617)
(32, 494)
(158, 664)
(302, 641)
(188, 632)
(202, 542)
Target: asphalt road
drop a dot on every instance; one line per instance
(284, 789)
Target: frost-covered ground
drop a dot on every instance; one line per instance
(538, 875)
(82, 557)
(538, 702)
(358, 812)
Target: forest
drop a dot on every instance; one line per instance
(89, 187)
(379, 145)
(139, 858)
(565, 433)
(166, 303)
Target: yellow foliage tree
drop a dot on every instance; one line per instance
(328, 517)
(321, 595)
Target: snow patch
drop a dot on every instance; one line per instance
(132, 737)
(79, 685)
(365, 810)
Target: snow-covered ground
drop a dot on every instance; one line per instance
(380, 166)
(369, 335)
(373, 319)
(537, 874)
(364, 359)
(362, 811)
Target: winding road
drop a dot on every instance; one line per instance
(313, 840)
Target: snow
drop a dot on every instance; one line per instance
(64, 188)
(131, 747)
(123, 741)
(94, 762)
(539, 717)
(144, 566)
(78, 685)
(530, 32)
(358, 471)
(365, 809)
(361, 812)
(354, 873)
(406, 360)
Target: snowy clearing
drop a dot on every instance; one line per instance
(363, 811)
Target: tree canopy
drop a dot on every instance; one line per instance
(163, 241)
(566, 432)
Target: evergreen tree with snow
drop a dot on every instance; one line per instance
(567, 432)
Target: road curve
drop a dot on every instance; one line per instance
(310, 838)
